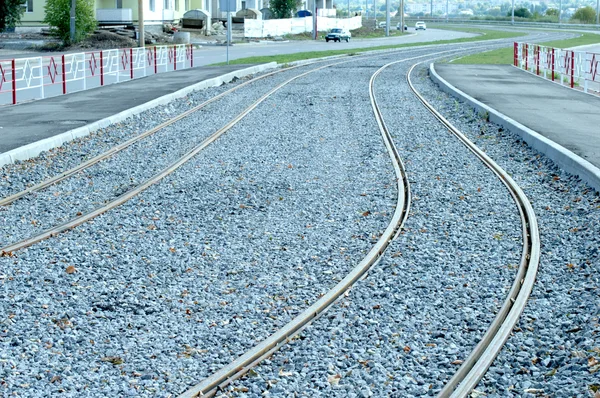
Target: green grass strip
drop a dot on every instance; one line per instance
(286, 58)
(505, 55)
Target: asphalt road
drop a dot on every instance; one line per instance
(212, 54)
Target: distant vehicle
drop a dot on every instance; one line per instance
(382, 24)
(338, 34)
(420, 25)
(398, 27)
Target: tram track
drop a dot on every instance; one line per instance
(386, 230)
(474, 367)
(84, 216)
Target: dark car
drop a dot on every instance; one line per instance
(338, 34)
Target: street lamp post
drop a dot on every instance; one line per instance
(72, 21)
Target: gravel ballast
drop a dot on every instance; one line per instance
(555, 348)
(159, 293)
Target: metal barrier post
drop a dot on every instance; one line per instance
(526, 56)
(572, 69)
(515, 53)
(101, 68)
(131, 62)
(174, 57)
(537, 60)
(191, 56)
(14, 81)
(155, 62)
(64, 75)
(552, 63)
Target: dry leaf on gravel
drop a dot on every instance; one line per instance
(334, 380)
(71, 269)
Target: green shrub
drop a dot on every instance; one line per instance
(58, 17)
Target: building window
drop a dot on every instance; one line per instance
(167, 5)
(243, 5)
(152, 6)
(119, 3)
(187, 5)
(176, 5)
(28, 5)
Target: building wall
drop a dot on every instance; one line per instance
(35, 17)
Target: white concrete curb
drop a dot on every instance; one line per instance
(35, 148)
(565, 159)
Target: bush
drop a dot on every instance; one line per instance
(58, 17)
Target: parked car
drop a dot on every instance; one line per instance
(398, 27)
(420, 25)
(338, 34)
(382, 24)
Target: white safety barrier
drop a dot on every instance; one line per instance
(280, 27)
(25, 79)
(577, 69)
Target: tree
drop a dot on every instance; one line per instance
(585, 15)
(10, 13)
(58, 17)
(520, 12)
(284, 8)
(552, 12)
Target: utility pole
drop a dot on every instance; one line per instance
(559, 12)
(387, 18)
(512, 17)
(402, 16)
(72, 22)
(348, 8)
(314, 13)
(141, 38)
(431, 12)
(597, 13)
(447, 12)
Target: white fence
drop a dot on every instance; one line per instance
(25, 79)
(577, 69)
(280, 27)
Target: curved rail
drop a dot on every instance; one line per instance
(8, 250)
(53, 231)
(118, 148)
(474, 367)
(241, 365)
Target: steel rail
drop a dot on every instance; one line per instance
(8, 250)
(118, 148)
(234, 370)
(480, 359)
(53, 231)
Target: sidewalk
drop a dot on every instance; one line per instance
(558, 121)
(30, 128)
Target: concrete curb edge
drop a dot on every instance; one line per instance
(565, 159)
(35, 148)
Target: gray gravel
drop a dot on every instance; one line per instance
(401, 330)
(555, 349)
(199, 268)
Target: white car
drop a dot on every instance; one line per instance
(420, 25)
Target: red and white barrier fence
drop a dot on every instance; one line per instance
(25, 79)
(572, 68)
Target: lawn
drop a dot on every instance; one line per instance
(505, 55)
